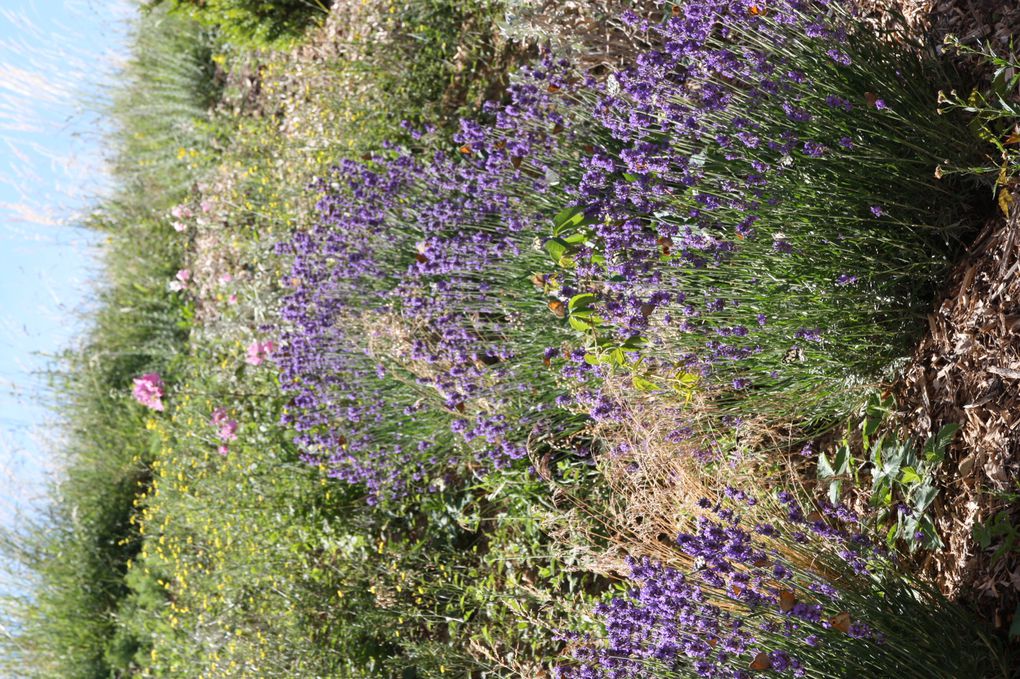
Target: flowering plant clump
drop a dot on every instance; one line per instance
(420, 331)
(148, 389)
(749, 210)
(759, 204)
(804, 594)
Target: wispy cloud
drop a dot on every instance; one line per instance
(31, 214)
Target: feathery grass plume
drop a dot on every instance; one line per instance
(162, 107)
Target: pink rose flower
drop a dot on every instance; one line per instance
(148, 390)
(181, 212)
(259, 352)
(181, 282)
(226, 426)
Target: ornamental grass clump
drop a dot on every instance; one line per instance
(803, 595)
(760, 204)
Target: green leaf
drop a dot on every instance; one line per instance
(690, 380)
(982, 535)
(893, 459)
(569, 219)
(582, 301)
(565, 218)
(909, 476)
(875, 413)
(890, 536)
(923, 497)
(834, 491)
(825, 470)
(935, 447)
(634, 342)
(643, 384)
(557, 248)
(842, 462)
(580, 324)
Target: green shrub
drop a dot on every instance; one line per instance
(254, 23)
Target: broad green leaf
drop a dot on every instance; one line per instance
(909, 476)
(834, 491)
(580, 324)
(634, 342)
(924, 497)
(935, 447)
(581, 301)
(890, 536)
(557, 248)
(842, 461)
(825, 470)
(568, 219)
(643, 384)
(565, 217)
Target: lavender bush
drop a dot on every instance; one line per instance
(750, 210)
(803, 596)
(760, 204)
(421, 337)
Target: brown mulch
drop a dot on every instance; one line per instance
(967, 370)
(972, 21)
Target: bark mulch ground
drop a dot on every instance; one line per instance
(967, 368)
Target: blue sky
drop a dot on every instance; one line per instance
(56, 60)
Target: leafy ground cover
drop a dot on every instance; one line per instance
(426, 369)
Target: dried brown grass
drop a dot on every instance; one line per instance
(651, 483)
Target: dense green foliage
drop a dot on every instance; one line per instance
(255, 23)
